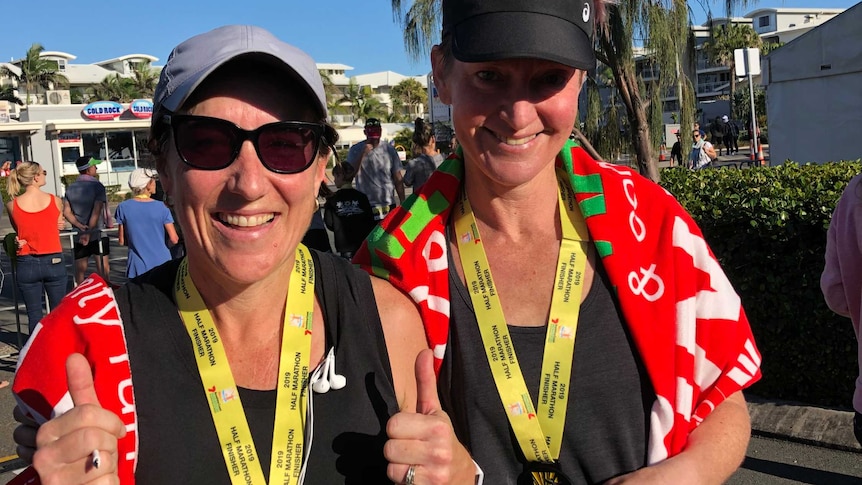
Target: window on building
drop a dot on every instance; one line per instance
(94, 145)
(121, 151)
(10, 149)
(763, 21)
(145, 158)
(70, 156)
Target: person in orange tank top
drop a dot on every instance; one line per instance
(37, 218)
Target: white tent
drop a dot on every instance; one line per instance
(813, 95)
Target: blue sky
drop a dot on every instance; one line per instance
(358, 33)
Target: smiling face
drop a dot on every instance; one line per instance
(243, 223)
(511, 117)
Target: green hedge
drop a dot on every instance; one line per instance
(767, 226)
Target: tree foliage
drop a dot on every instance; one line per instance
(724, 40)
(371, 107)
(7, 93)
(409, 94)
(664, 26)
(36, 72)
(602, 123)
(143, 81)
(114, 87)
(353, 96)
(742, 105)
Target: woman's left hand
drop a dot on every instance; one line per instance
(425, 441)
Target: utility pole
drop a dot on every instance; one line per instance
(748, 64)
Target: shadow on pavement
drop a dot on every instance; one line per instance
(798, 473)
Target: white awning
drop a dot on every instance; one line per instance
(30, 127)
(76, 125)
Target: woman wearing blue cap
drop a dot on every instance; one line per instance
(582, 329)
(221, 367)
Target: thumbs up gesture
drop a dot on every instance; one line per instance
(68, 447)
(424, 441)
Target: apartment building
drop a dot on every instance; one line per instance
(712, 81)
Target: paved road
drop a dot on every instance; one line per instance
(770, 461)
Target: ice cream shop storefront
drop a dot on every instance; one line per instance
(112, 132)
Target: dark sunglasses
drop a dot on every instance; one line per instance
(209, 143)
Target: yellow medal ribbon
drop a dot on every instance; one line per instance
(238, 449)
(539, 431)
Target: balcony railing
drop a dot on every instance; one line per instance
(711, 87)
(703, 64)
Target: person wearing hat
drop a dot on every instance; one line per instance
(221, 367)
(85, 206)
(378, 170)
(582, 330)
(144, 224)
(676, 151)
(731, 135)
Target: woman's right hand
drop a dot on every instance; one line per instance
(66, 444)
(424, 441)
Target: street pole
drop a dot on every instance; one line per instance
(747, 63)
(753, 126)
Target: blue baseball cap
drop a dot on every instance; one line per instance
(196, 58)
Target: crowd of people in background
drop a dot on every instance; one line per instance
(145, 225)
(721, 139)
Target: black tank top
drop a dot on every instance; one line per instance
(607, 421)
(178, 443)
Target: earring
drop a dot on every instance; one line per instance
(316, 204)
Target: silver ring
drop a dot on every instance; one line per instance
(411, 473)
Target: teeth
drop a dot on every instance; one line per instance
(517, 141)
(246, 221)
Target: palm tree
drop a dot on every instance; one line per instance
(36, 71)
(726, 38)
(410, 94)
(354, 96)
(371, 107)
(330, 90)
(7, 93)
(113, 88)
(143, 81)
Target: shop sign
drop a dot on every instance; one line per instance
(70, 137)
(141, 108)
(103, 110)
